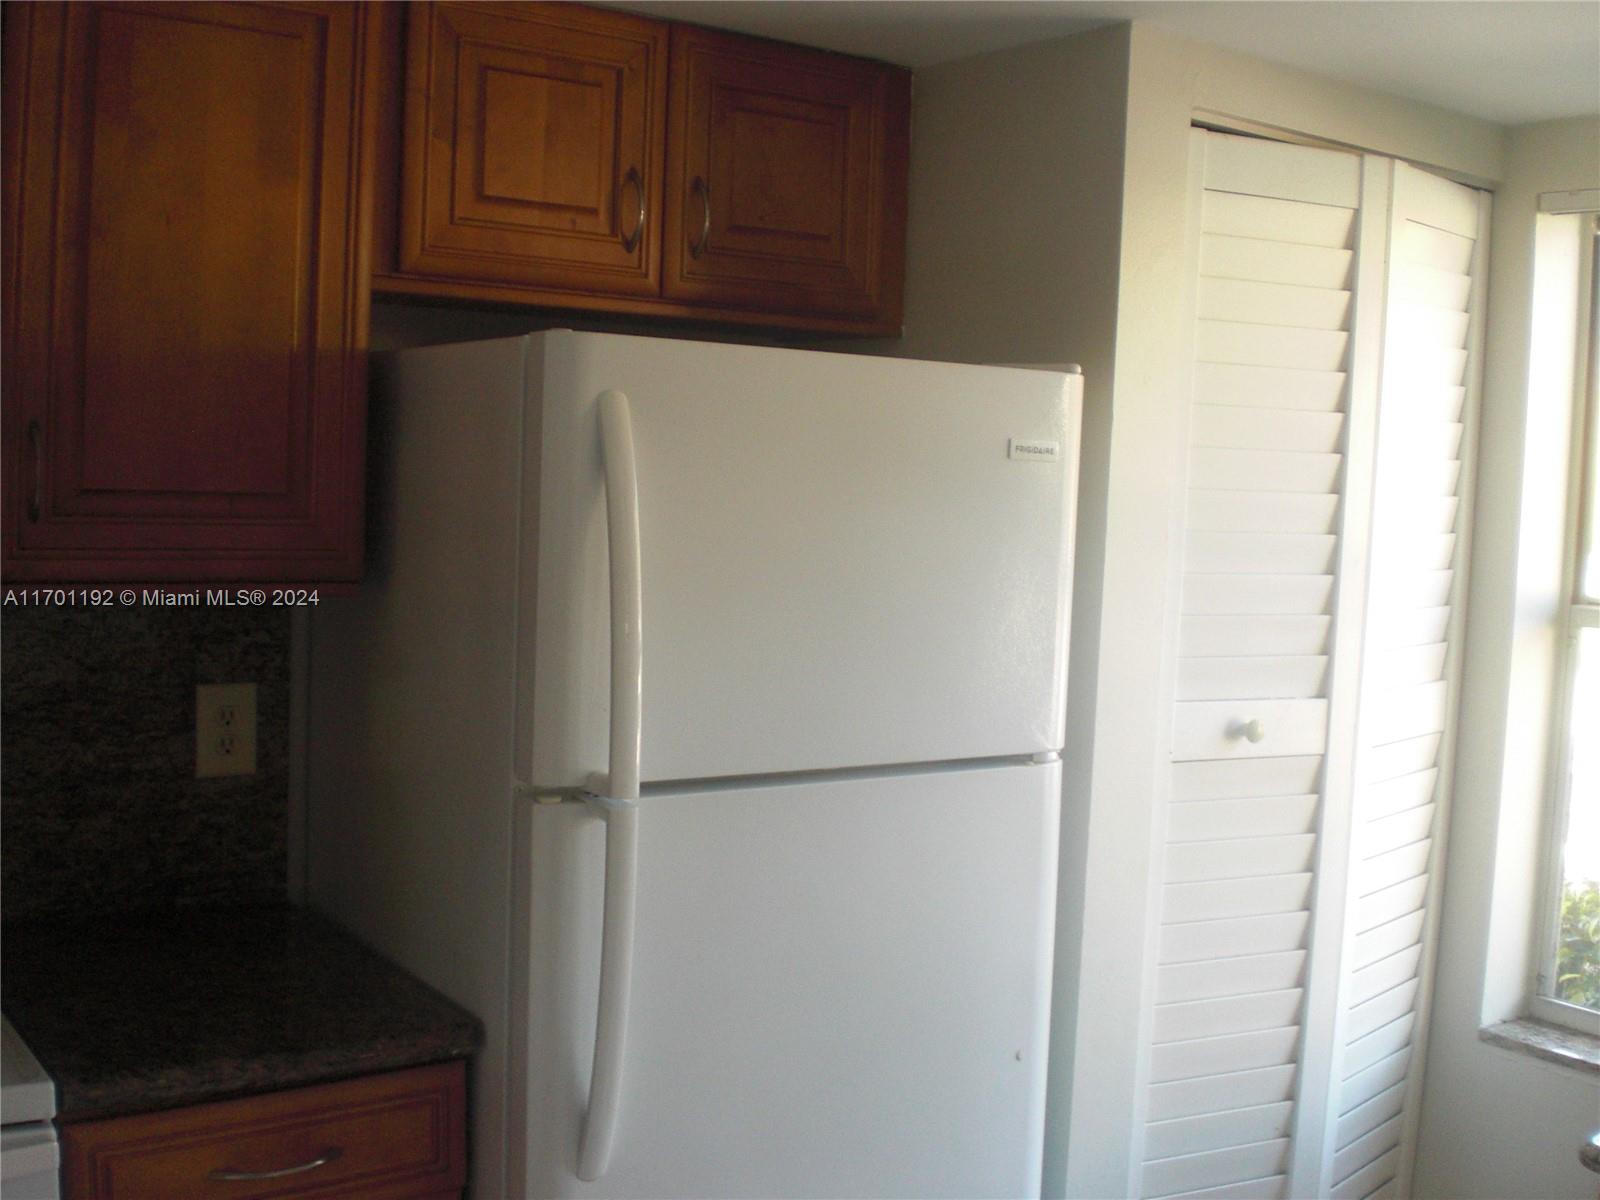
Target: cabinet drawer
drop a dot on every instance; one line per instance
(395, 1135)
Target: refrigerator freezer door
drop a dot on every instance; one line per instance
(840, 988)
(846, 561)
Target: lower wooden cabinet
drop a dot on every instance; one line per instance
(396, 1136)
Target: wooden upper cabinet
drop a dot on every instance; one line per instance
(185, 277)
(571, 157)
(786, 178)
(533, 140)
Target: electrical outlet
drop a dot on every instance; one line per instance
(224, 729)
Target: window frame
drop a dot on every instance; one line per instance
(1580, 611)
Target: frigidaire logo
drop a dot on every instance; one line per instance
(1034, 451)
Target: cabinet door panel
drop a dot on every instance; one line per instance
(532, 146)
(186, 385)
(154, 304)
(786, 178)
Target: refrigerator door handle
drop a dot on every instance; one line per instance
(616, 973)
(627, 604)
(618, 805)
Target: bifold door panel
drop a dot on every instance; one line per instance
(1401, 769)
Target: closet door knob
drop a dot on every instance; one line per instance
(1251, 730)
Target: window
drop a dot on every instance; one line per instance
(1568, 989)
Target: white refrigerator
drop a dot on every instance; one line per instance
(698, 727)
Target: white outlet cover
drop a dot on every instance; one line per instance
(224, 729)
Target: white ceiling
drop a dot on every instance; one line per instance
(1510, 61)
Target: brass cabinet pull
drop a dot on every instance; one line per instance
(631, 240)
(36, 442)
(697, 247)
(230, 1175)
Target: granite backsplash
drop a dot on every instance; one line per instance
(100, 811)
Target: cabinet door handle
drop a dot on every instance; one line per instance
(230, 1175)
(631, 240)
(36, 444)
(697, 247)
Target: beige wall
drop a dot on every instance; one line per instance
(1223, 84)
(1014, 208)
(1496, 1123)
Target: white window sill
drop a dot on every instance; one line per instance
(1553, 1043)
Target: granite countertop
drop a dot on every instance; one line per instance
(158, 1012)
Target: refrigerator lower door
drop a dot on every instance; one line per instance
(840, 988)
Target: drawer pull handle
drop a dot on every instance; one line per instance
(230, 1175)
(631, 240)
(698, 246)
(1251, 731)
(36, 444)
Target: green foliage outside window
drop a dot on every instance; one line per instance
(1578, 957)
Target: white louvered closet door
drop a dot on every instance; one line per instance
(1407, 697)
(1280, 253)
(1322, 564)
